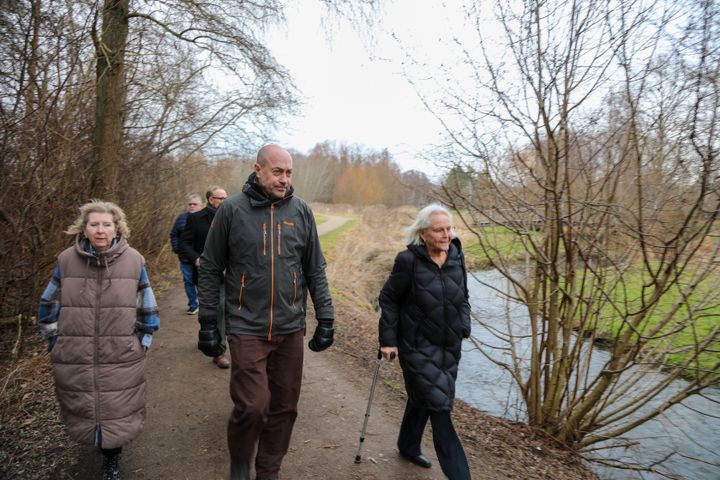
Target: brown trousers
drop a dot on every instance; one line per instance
(265, 388)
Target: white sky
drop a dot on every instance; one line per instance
(351, 94)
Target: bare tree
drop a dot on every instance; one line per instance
(143, 44)
(594, 125)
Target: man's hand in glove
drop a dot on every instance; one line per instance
(323, 336)
(209, 338)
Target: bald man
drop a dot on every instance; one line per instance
(264, 243)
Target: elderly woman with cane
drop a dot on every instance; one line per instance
(425, 317)
(98, 314)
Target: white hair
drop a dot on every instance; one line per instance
(422, 222)
(192, 195)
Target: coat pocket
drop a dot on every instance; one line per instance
(435, 330)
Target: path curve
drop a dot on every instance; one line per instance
(333, 222)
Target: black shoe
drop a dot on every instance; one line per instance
(419, 460)
(111, 468)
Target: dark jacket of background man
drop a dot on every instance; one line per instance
(193, 236)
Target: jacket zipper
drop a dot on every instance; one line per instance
(272, 272)
(242, 287)
(444, 292)
(96, 354)
(294, 288)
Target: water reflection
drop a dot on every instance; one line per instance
(489, 388)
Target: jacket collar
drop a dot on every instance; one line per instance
(454, 251)
(258, 197)
(85, 250)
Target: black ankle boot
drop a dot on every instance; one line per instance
(111, 468)
(239, 471)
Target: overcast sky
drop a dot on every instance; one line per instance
(354, 92)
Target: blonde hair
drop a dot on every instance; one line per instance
(422, 222)
(99, 206)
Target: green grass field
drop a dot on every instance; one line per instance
(501, 242)
(706, 317)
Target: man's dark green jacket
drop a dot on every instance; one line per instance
(269, 254)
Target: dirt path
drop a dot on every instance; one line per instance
(331, 223)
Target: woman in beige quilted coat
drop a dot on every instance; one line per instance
(98, 314)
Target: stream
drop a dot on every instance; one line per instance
(487, 387)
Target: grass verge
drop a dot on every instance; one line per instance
(329, 241)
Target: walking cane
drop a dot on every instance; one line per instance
(372, 393)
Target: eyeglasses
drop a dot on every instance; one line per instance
(193, 204)
(219, 198)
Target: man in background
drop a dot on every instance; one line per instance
(192, 243)
(194, 204)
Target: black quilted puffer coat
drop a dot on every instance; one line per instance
(426, 314)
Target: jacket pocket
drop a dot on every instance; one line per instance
(288, 234)
(265, 234)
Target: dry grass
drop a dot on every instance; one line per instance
(359, 265)
(29, 416)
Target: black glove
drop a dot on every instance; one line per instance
(209, 341)
(323, 336)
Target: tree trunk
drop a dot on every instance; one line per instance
(110, 99)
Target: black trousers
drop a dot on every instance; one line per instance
(111, 452)
(448, 448)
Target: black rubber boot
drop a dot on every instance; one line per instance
(239, 471)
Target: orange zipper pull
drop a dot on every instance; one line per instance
(242, 287)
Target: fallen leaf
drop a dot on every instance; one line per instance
(28, 421)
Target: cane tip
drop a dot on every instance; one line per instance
(357, 458)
